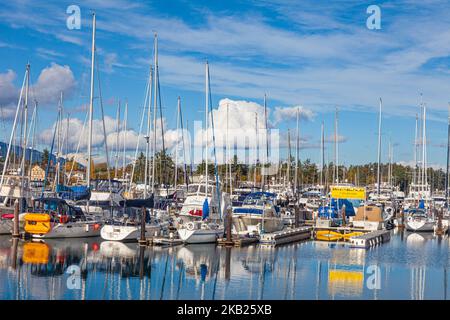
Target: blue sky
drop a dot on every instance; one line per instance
(314, 54)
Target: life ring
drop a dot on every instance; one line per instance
(190, 226)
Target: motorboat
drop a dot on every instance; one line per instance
(258, 214)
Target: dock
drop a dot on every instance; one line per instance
(370, 239)
(285, 236)
(164, 241)
(236, 241)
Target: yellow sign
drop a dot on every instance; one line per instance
(348, 193)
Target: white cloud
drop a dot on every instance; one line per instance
(290, 113)
(52, 81)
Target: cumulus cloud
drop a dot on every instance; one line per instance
(51, 81)
(290, 113)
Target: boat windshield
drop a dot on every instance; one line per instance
(192, 188)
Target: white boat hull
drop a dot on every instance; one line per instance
(420, 226)
(119, 233)
(72, 230)
(199, 235)
(130, 233)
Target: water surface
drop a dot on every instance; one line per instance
(410, 266)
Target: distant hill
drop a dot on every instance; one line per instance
(37, 155)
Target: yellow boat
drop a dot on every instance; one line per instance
(37, 223)
(328, 235)
(35, 253)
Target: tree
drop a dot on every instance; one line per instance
(45, 156)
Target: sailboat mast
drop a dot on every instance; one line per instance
(206, 123)
(117, 141)
(263, 175)
(448, 158)
(256, 150)
(147, 138)
(155, 106)
(322, 155)
(125, 141)
(91, 108)
(296, 153)
(379, 150)
(424, 150)
(288, 172)
(24, 141)
(33, 137)
(176, 143)
(336, 148)
(415, 151)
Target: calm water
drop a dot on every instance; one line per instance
(410, 266)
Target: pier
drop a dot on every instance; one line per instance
(370, 239)
(285, 236)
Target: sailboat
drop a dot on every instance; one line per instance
(422, 217)
(14, 186)
(202, 231)
(55, 218)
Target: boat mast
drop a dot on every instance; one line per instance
(288, 171)
(336, 148)
(424, 151)
(263, 175)
(206, 124)
(228, 156)
(256, 150)
(24, 141)
(322, 154)
(117, 141)
(296, 153)
(176, 143)
(147, 138)
(415, 152)
(448, 157)
(155, 105)
(379, 151)
(124, 141)
(91, 109)
(33, 138)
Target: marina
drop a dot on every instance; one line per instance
(152, 157)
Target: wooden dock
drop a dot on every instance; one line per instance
(236, 241)
(370, 239)
(285, 236)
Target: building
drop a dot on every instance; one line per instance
(37, 173)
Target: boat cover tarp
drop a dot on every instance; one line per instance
(248, 211)
(74, 193)
(138, 203)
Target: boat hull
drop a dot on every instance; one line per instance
(199, 235)
(420, 226)
(71, 230)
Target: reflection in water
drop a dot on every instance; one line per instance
(411, 266)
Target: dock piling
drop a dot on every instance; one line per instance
(15, 232)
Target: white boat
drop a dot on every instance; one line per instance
(131, 232)
(419, 221)
(199, 232)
